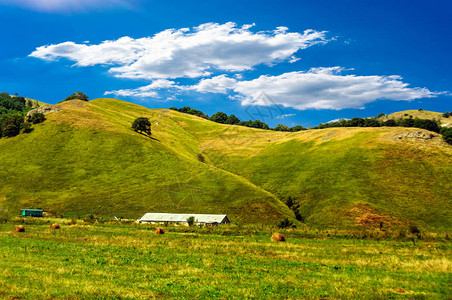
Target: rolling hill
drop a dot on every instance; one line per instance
(85, 160)
(422, 114)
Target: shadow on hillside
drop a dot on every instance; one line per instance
(148, 136)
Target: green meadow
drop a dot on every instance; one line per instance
(131, 262)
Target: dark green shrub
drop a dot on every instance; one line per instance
(77, 95)
(142, 125)
(11, 130)
(191, 221)
(413, 229)
(286, 223)
(26, 127)
(37, 117)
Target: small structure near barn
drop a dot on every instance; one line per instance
(204, 219)
(32, 212)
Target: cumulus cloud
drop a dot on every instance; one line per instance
(68, 5)
(218, 55)
(327, 88)
(318, 88)
(149, 90)
(185, 52)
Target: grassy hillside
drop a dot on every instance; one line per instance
(342, 177)
(431, 115)
(85, 160)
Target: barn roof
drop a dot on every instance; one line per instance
(199, 218)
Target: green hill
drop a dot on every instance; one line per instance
(85, 160)
(422, 114)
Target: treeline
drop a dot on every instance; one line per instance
(426, 124)
(377, 122)
(12, 115)
(222, 118)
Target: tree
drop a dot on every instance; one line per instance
(232, 120)
(11, 130)
(280, 127)
(219, 117)
(142, 125)
(390, 123)
(191, 221)
(297, 128)
(289, 202)
(447, 134)
(37, 117)
(286, 223)
(77, 95)
(26, 127)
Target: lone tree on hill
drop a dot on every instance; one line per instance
(77, 95)
(142, 125)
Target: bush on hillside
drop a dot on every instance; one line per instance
(26, 127)
(286, 223)
(77, 95)
(447, 135)
(232, 120)
(37, 117)
(142, 125)
(219, 117)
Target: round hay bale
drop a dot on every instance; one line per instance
(159, 230)
(19, 228)
(278, 237)
(55, 226)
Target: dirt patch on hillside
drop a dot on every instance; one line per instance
(418, 136)
(367, 217)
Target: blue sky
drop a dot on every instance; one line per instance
(287, 62)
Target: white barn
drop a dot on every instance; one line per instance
(182, 218)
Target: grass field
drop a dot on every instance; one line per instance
(131, 262)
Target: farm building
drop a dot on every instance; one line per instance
(32, 212)
(182, 218)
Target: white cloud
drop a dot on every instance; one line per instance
(145, 91)
(285, 116)
(337, 120)
(318, 88)
(177, 53)
(68, 5)
(211, 49)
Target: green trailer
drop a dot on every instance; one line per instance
(32, 212)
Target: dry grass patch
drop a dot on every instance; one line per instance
(19, 228)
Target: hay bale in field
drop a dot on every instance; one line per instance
(159, 230)
(19, 228)
(278, 237)
(55, 226)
